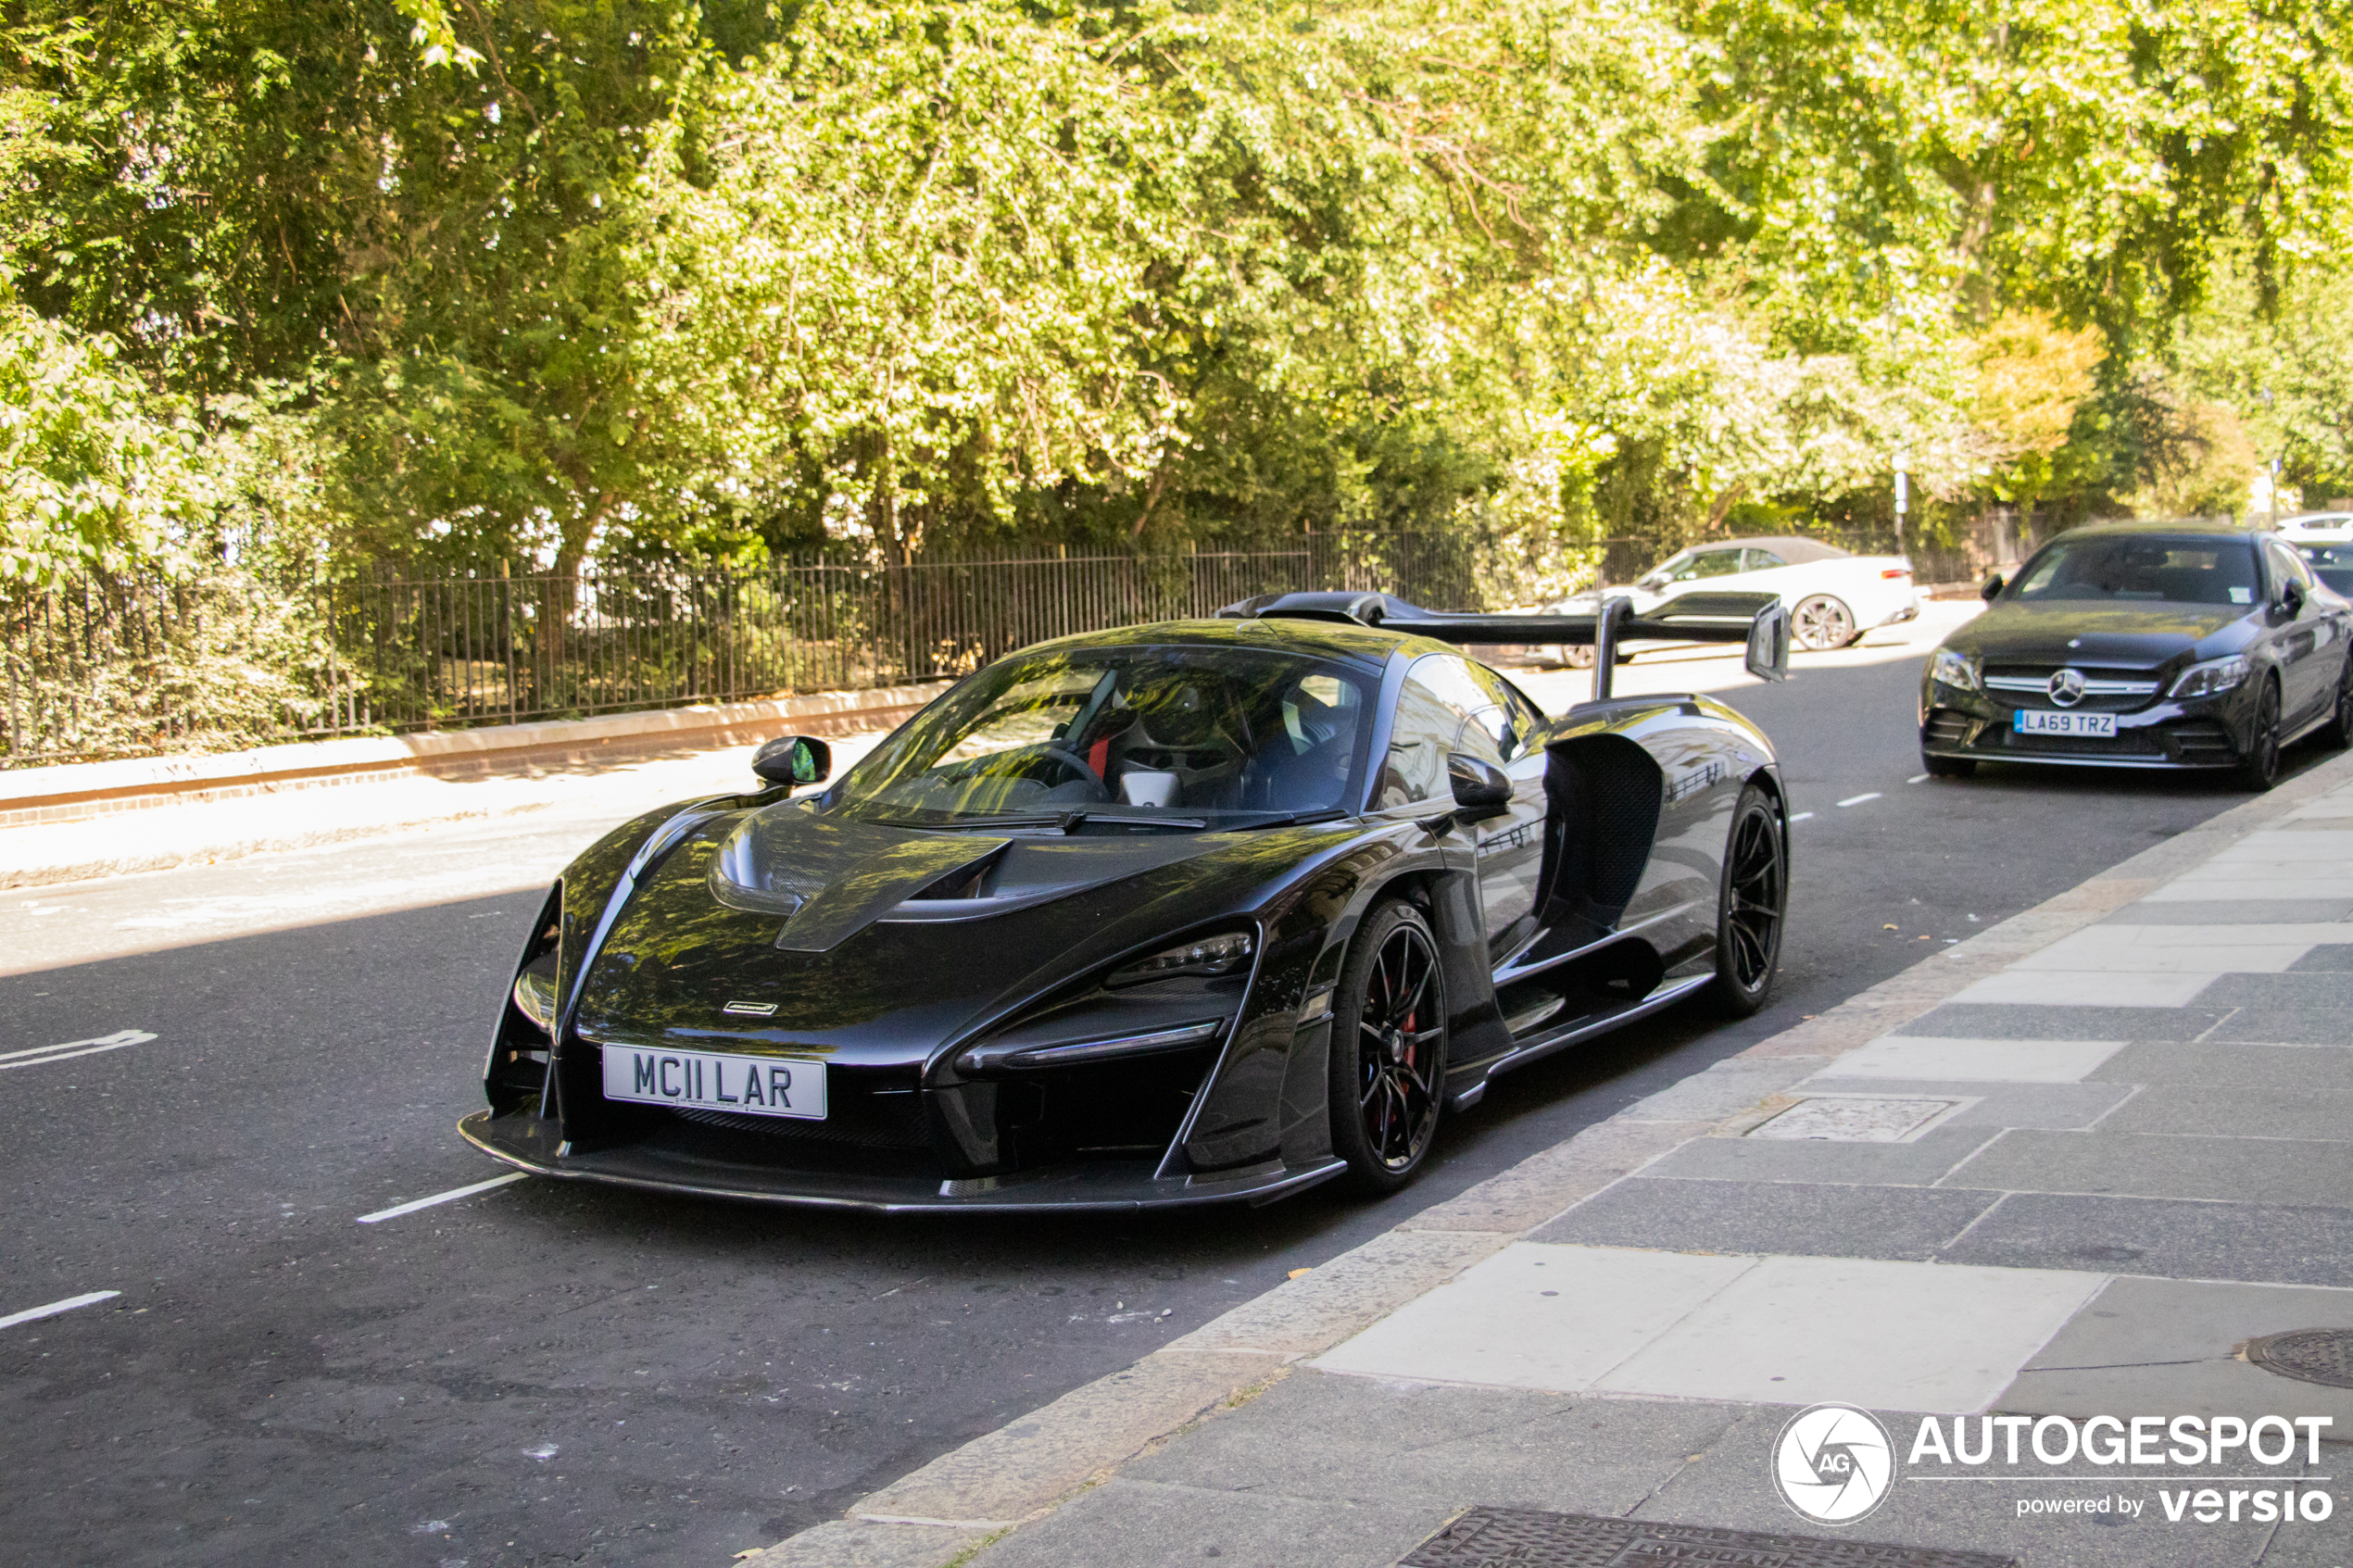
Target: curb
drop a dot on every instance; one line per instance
(970, 1495)
(76, 791)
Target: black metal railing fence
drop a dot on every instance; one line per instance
(141, 662)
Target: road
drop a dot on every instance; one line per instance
(548, 1373)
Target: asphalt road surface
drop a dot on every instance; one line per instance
(544, 1373)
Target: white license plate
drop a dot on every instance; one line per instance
(2035, 721)
(758, 1086)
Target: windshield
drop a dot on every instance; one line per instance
(2333, 564)
(1203, 736)
(2119, 568)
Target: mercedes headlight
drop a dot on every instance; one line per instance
(1211, 955)
(1954, 669)
(2214, 677)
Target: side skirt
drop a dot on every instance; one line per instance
(1583, 1028)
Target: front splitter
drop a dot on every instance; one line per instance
(535, 1144)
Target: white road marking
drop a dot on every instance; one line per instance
(54, 1308)
(41, 1056)
(1916, 778)
(1802, 817)
(1858, 799)
(451, 1196)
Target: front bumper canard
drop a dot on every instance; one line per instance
(533, 1142)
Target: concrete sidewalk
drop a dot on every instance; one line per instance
(2068, 1169)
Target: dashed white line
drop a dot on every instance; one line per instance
(1916, 778)
(41, 1056)
(1802, 817)
(54, 1308)
(450, 1196)
(1858, 799)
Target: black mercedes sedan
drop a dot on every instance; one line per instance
(2144, 645)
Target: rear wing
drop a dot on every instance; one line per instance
(1757, 620)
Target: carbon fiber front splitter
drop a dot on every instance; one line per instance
(533, 1142)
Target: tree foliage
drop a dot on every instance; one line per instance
(481, 278)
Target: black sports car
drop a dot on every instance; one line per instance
(1188, 912)
(2144, 645)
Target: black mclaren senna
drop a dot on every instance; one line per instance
(1176, 914)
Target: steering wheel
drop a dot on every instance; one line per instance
(1076, 763)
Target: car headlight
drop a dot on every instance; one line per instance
(1212, 955)
(535, 996)
(1954, 669)
(2214, 677)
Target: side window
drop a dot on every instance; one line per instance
(1712, 563)
(1520, 716)
(1762, 561)
(1454, 681)
(2287, 565)
(1418, 742)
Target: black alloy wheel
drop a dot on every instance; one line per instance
(1821, 624)
(2338, 734)
(1948, 767)
(1388, 1049)
(1751, 904)
(2259, 769)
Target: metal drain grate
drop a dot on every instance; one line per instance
(1524, 1538)
(2308, 1355)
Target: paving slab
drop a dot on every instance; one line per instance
(2064, 1105)
(2016, 1021)
(2328, 957)
(1144, 1523)
(2167, 1347)
(1817, 1220)
(1373, 1439)
(2280, 1244)
(1731, 1086)
(2012, 1062)
(2219, 1112)
(2250, 912)
(2221, 1169)
(2284, 1026)
(2235, 1064)
(1886, 1335)
(2301, 990)
(1533, 1316)
(2092, 988)
(1918, 1164)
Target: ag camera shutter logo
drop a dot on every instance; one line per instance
(1834, 1463)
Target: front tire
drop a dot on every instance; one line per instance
(1388, 1049)
(1751, 904)
(1821, 624)
(2259, 769)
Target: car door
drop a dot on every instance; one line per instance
(2303, 637)
(1447, 695)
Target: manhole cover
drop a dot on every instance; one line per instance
(1855, 1119)
(1524, 1538)
(2308, 1355)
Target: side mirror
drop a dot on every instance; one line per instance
(1769, 642)
(2292, 597)
(1481, 789)
(794, 760)
(1992, 589)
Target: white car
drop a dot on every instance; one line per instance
(2317, 528)
(1833, 597)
